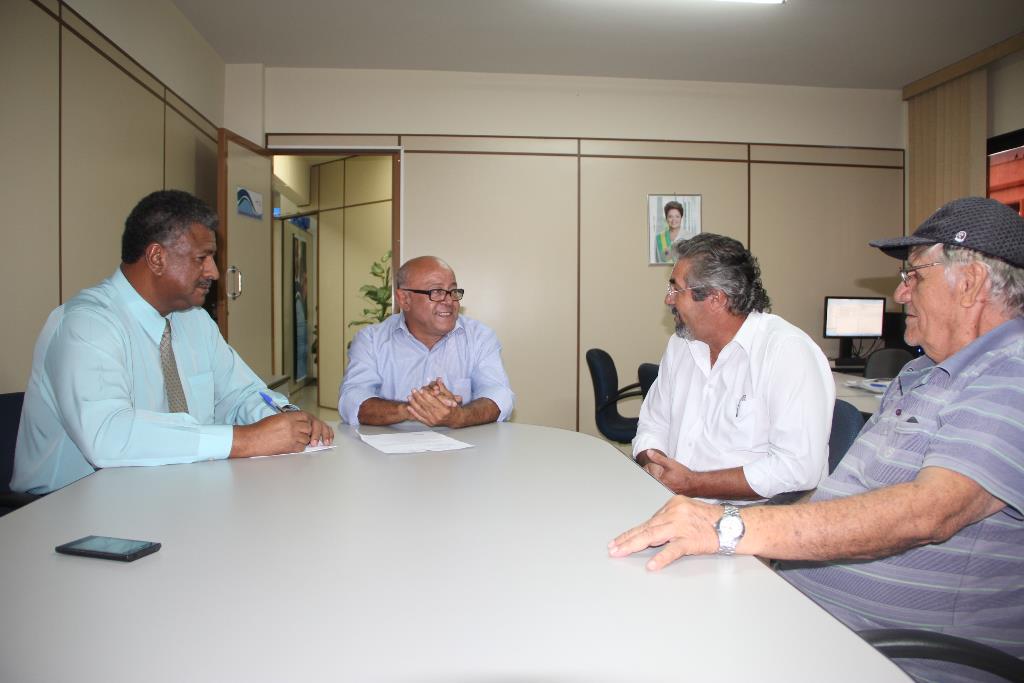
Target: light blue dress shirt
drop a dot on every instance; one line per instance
(96, 396)
(387, 361)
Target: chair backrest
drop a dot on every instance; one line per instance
(610, 422)
(886, 363)
(604, 376)
(847, 422)
(646, 373)
(10, 416)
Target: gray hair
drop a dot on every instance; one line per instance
(1006, 282)
(722, 263)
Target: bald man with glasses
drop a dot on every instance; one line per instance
(427, 363)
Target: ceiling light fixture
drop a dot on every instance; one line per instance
(758, 2)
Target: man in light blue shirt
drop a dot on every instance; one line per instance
(134, 372)
(427, 363)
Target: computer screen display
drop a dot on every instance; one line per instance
(854, 317)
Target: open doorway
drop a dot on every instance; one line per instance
(335, 237)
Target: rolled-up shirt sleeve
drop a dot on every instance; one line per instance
(800, 396)
(489, 378)
(362, 378)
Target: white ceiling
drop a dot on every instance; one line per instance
(841, 43)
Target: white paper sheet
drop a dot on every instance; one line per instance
(413, 442)
(308, 449)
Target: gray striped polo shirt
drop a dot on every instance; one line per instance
(965, 414)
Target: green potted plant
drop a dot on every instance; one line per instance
(379, 295)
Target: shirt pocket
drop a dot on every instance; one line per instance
(200, 397)
(463, 388)
(906, 444)
(739, 422)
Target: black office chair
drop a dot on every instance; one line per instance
(899, 643)
(10, 416)
(847, 422)
(886, 363)
(646, 373)
(607, 394)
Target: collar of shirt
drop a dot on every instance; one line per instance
(409, 335)
(1008, 332)
(147, 316)
(917, 371)
(744, 339)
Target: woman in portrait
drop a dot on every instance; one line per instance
(664, 240)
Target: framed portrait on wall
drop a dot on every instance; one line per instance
(670, 218)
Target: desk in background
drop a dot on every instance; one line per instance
(863, 400)
(483, 564)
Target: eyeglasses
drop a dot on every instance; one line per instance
(671, 291)
(438, 294)
(907, 275)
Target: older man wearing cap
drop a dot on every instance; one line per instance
(922, 524)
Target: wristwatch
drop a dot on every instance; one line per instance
(730, 529)
(290, 408)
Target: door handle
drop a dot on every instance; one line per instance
(237, 272)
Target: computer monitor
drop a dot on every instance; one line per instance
(853, 317)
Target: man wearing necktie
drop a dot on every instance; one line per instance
(134, 372)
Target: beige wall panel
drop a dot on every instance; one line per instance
(250, 330)
(810, 226)
(1006, 95)
(314, 141)
(186, 110)
(332, 185)
(190, 159)
(112, 155)
(639, 148)
(507, 224)
(447, 102)
(332, 323)
(827, 155)
(489, 144)
(52, 5)
(367, 179)
(367, 239)
(159, 37)
(292, 177)
(29, 127)
(622, 298)
(112, 51)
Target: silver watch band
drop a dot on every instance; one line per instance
(730, 529)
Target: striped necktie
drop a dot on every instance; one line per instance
(172, 381)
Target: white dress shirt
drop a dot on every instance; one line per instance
(766, 406)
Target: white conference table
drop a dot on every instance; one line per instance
(484, 564)
(863, 400)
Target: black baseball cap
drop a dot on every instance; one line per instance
(977, 223)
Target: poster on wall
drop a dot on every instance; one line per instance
(249, 203)
(300, 290)
(670, 218)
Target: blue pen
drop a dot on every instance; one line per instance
(270, 402)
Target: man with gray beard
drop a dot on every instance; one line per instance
(742, 406)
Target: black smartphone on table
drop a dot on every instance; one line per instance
(107, 548)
